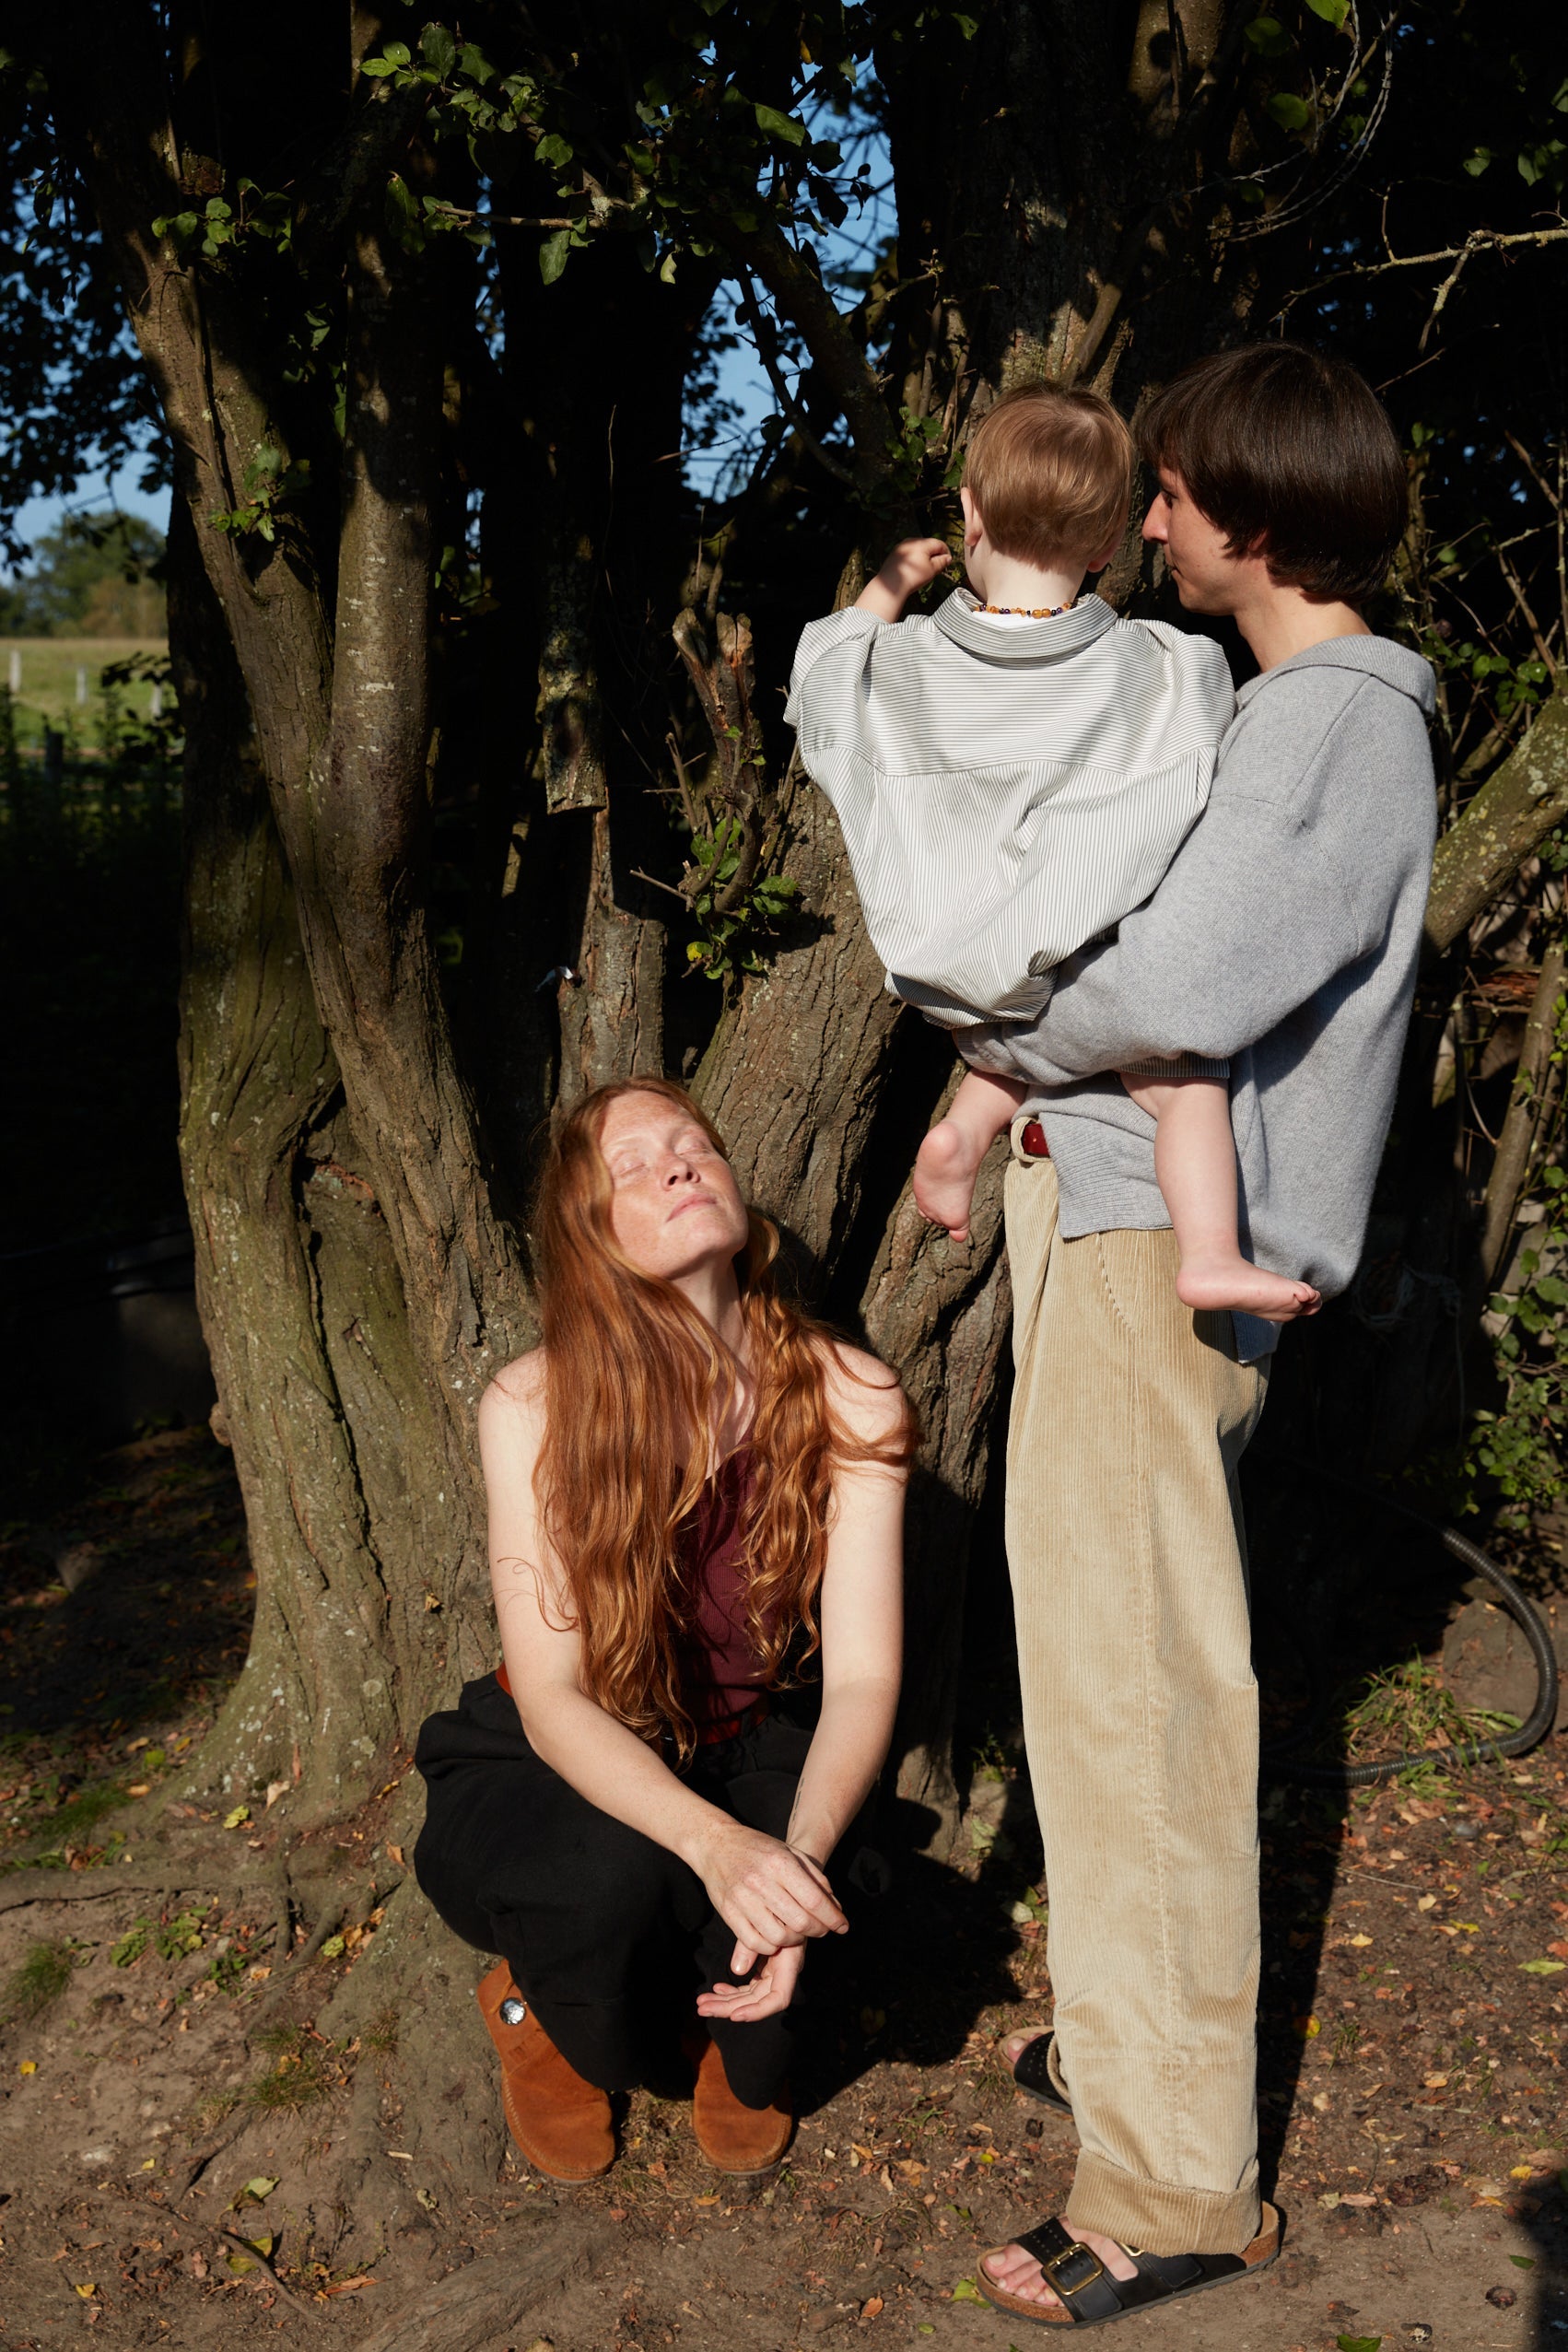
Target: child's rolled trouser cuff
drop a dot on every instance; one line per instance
(1175, 1066)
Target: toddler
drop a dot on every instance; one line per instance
(1012, 774)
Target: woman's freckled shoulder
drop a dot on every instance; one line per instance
(518, 1388)
(867, 1392)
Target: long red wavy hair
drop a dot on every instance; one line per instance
(638, 1387)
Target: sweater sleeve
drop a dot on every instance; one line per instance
(1253, 918)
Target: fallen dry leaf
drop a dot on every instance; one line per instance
(1426, 1902)
(1361, 1942)
(350, 2286)
(871, 2308)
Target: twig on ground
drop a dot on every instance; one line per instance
(311, 2311)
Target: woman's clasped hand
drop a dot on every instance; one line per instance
(776, 1899)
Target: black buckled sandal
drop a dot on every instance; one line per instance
(1090, 2296)
(1031, 2072)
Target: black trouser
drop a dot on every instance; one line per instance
(607, 1935)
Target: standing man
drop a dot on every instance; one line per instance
(1284, 939)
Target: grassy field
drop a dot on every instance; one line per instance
(52, 671)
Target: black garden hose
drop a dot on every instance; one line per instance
(1279, 1762)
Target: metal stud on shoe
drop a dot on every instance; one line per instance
(513, 2011)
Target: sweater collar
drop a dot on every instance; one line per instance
(1376, 657)
(959, 618)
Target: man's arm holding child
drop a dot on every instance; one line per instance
(1252, 919)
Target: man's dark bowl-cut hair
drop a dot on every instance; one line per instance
(1292, 455)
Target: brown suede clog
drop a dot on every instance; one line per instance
(560, 2122)
(746, 2142)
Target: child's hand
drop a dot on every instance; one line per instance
(912, 566)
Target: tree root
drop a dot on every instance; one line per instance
(87, 1885)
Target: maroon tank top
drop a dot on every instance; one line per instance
(722, 1674)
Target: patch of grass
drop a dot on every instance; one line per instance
(82, 1811)
(40, 1980)
(305, 2069)
(383, 2034)
(1406, 1709)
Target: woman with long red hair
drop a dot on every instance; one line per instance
(696, 1498)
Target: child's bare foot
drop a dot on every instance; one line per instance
(1234, 1282)
(945, 1167)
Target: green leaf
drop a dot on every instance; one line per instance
(965, 2291)
(552, 255)
(258, 2189)
(1543, 1967)
(397, 53)
(780, 126)
(1333, 12)
(1268, 36)
(1358, 2343)
(377, 68)
(1289, 112)
(333, 1949)
(1523, 2262)
(553, 149)
(438, 49)
(241, 1814)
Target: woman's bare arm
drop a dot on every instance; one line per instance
(861, 1614)
(862, 1619)
(765, 1892)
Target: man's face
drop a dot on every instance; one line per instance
(1208, 577)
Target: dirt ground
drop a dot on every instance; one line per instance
(212, 2134)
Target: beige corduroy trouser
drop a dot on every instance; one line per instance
(1125, 1543)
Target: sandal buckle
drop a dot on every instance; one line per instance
(1050, 2269)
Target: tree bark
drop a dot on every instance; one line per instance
(1530, 1104)
(1506, 822)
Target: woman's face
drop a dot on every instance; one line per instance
(673, 1205)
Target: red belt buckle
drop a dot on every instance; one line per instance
(1033, 1141)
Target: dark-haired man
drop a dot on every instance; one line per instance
(1284, 938)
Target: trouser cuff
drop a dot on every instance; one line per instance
(1160, 2217)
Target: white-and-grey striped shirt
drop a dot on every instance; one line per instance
(1007, 791)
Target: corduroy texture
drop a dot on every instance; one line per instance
(1129, 1416)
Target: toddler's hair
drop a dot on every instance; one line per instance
(1051, 473)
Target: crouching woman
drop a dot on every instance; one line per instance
(696, 1498)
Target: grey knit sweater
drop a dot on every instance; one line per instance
(1285, 936)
